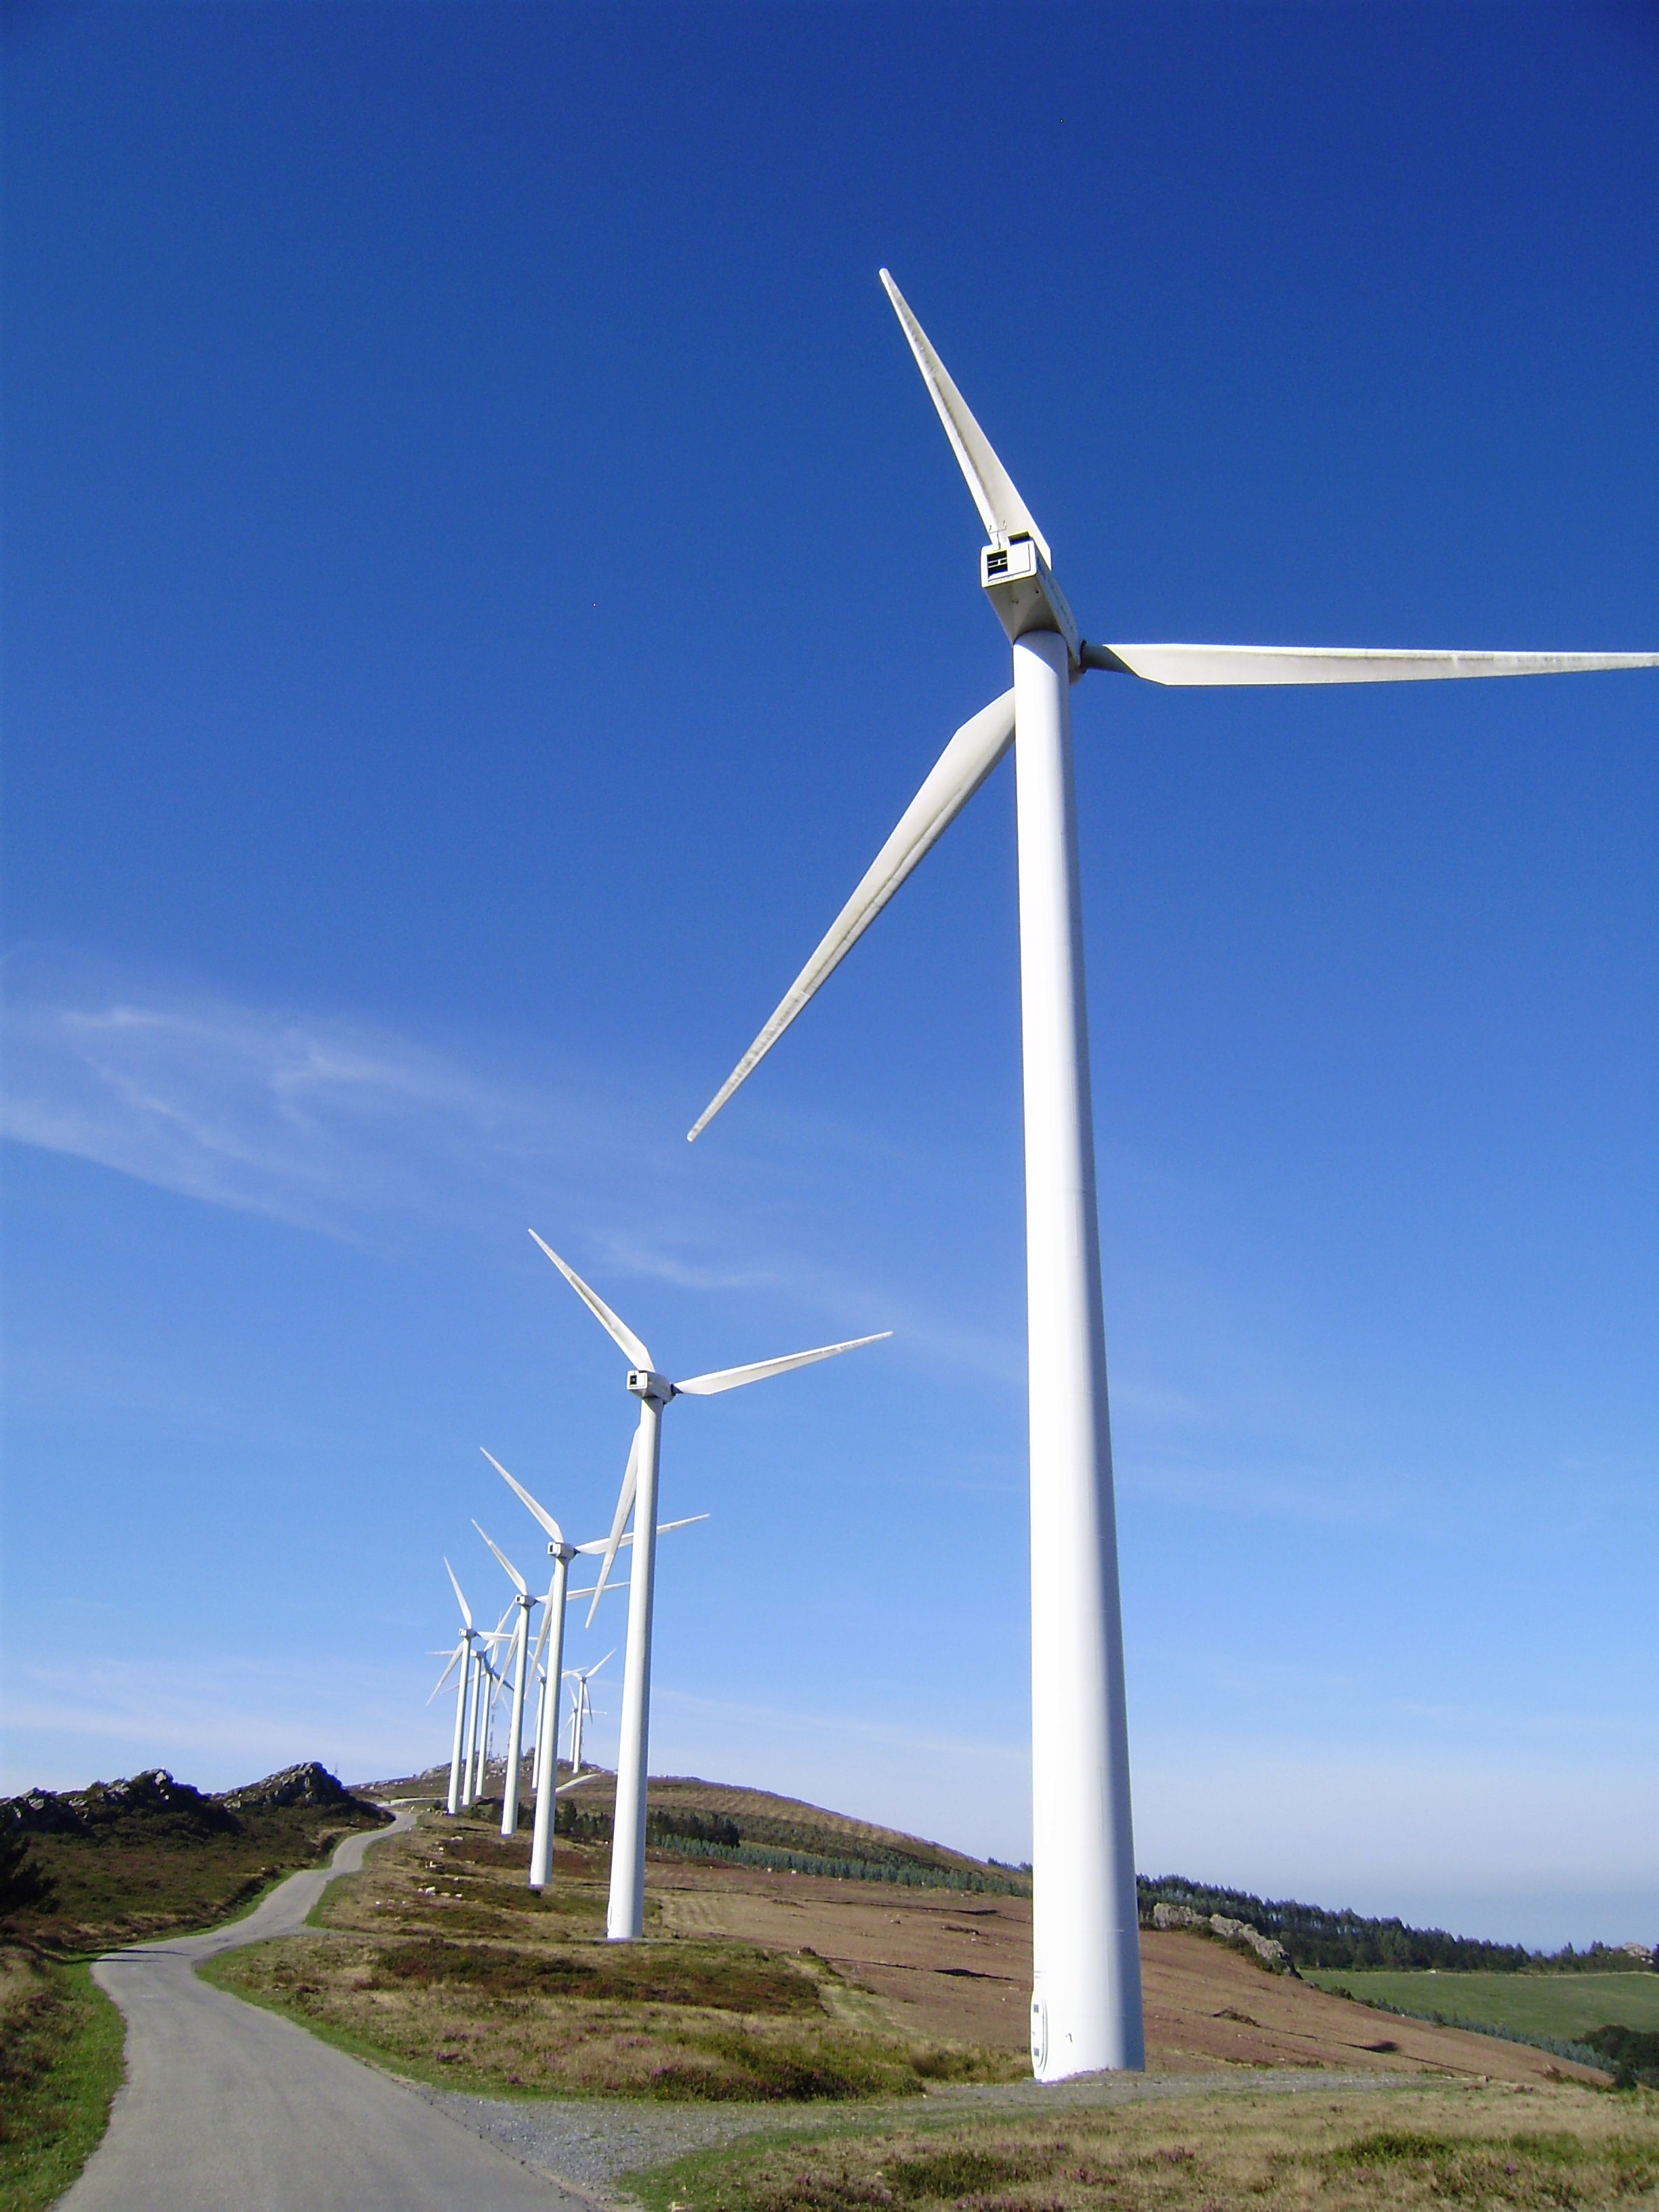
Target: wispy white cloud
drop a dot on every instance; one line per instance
(324, 1124)
(350, 1130)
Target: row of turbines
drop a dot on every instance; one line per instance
(1085, 1998)
(483, 1682)
(482, 1685)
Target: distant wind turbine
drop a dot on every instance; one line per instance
(625, 1917)
(581, 1708)
(547, 1711)
(526, 1605)
(486, 1689)
(1085, 1998)
(465, 1658)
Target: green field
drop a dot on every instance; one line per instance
(1534, 2004)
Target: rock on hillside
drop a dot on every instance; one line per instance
(308, 1784)
(153, 1804)
(152, 1799)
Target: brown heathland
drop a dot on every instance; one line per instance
(759, 1983)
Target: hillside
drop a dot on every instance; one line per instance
(767, 1982)
(148, 1855)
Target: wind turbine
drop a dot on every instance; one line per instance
(1085, 1998)
(547, 1715)
(525, 1605)
(625, 1915)
(463, 1653)
(581, 1708)
(485, 1691)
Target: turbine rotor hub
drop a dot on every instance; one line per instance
(655, 1388)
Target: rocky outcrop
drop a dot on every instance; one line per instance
(153, 1804)
(149, 1799)
(307, 1785)
(1271, 1953)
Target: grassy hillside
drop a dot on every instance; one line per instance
(440, 1960)
(1565, 2005)
(693, 1818)
(149, 1856)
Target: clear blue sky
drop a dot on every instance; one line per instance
(484, 577)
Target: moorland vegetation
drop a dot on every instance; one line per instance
(439, 1959)
(149, 1856)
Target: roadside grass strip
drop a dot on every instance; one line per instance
(60, 2065)
(1433, 2145)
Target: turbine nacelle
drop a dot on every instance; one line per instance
(655, 1389)
(1021, 587)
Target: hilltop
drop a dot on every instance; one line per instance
(148, 1855)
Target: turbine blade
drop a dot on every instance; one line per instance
(541, 1636)
(602, 1543)
(1001, 509)
(454, 1656)
(516, 1578)
(466, 1610)
(956, 775)
(596, 1305)
(732, 1378)
(1335, 663)
(625, 1507)
(523, 1495)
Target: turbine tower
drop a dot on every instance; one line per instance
(625, 1916)
(1085, 1996)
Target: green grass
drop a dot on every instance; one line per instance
(1532, 2004)
(60, 2064)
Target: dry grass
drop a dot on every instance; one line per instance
(1416, 2145)
(440, 1960)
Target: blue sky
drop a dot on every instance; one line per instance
(484, 577)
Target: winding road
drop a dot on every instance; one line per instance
(229, 2108)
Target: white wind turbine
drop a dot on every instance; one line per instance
(1086, 1999)
(547, 1711)
(581, 1708)
(486, 1689)
(464, 1656)
(625, 1916)
(525, 1605)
